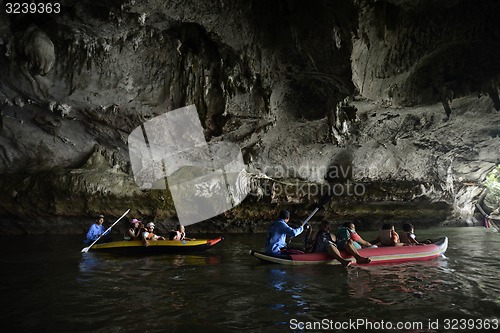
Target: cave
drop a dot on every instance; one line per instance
(403, 94)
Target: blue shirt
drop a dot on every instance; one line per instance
(94, 231)
(276, 236)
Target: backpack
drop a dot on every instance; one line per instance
(343, 235)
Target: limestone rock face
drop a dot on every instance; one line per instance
(38, 50)
(408, 90)
(423, 52)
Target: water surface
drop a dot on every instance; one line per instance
(49, 286)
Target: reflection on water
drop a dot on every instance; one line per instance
(92, 261)
(89, 262)
(226, 290)
(278, 280)
(392, 284)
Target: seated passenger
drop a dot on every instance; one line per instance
(179, 234)
(148, 234)
(323, 241)
(408, 236)
(348, 231)
(135, 230)
(388, 236)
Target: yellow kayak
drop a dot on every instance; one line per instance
(157, 247)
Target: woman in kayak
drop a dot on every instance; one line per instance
(135, 230)
(348, 231)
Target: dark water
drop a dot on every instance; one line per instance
(47, 285)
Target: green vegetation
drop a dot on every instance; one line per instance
(492, 182)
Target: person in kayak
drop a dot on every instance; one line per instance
(277, 232)
(388, 236)
(179, 234)
(149, 234)
(324, 241)
(96, 231)
(135, 230)
(348, 232)
(408, 236)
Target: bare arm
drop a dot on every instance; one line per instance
(362, 242)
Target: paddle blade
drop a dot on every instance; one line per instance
(325, 199)
(85, 249)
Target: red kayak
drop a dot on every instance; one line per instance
(379, 255)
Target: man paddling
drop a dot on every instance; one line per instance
(277, 232)
(97, 231)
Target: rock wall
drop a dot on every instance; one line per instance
(392, 85)
(426, 54)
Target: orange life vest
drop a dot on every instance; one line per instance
(150, 235)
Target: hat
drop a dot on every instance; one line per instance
(100, 216)
(135, 221)
(150, 224)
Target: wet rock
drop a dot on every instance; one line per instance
(408, 88)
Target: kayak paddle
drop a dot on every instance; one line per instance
(86, 249)
(320, 204)
(324, 199)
